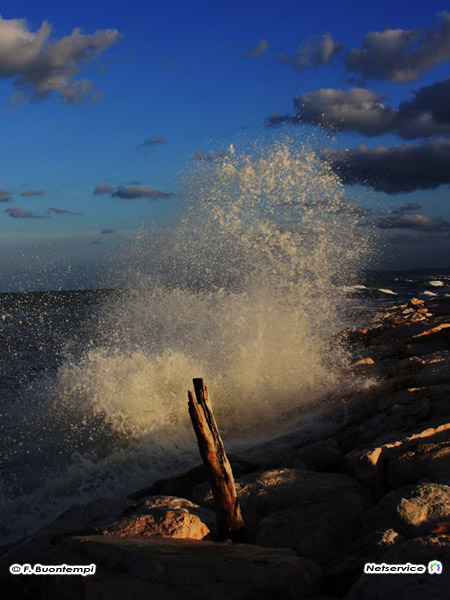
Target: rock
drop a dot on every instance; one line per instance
(407, 366)
(182, 485)
(341, 573)
(412, 511)
(399, 416)
(365, 367)
(437, 396)
(78, 518)
(316, 530)
(431, 461)
(441, 332)
(319, 456)
(413, 587)
(435, 370)
(369, 464)
(391, 342)
(85, 516)
(265, 492)
(164, 516)
(136, 568)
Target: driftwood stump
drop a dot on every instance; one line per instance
(230, 523)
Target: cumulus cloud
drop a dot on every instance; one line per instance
(258, 50)
(393, 170)
(101, 189)
(358, 109)
(363, 111)
(401, 55)
(30, 193)
(39, 66)
(416, 222)
(319, 52)
(396, 55)
(20, 213)
(138, 192)
(431, 105)
(5, 195)
(153, 141)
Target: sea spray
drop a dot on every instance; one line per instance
(246, 290)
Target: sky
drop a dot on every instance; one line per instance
(104, 104)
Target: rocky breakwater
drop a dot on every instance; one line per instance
(365, 479)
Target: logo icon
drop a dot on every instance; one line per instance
(435, 567)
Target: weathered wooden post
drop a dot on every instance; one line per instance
(230, 523)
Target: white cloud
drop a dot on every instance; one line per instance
(401, 55)
(40, 67)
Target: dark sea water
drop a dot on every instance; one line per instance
(75, 423)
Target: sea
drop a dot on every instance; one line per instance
(250, 289)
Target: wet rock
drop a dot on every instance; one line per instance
(136, 568)
(164, 516)
(365, 367)
(411, 511)
(422, 550)
(391, 342)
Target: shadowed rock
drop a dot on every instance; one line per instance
(137, 568)
(413, 587)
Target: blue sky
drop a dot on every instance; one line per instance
(126, 100)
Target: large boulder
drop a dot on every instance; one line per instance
(412, 511)
(164, 516)
(318, 456)
(136, 568)
(424, 586)
(316, 530)
(428, 460)
(369, 464)
(76, 519)
(342, 572)
(265, 492)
